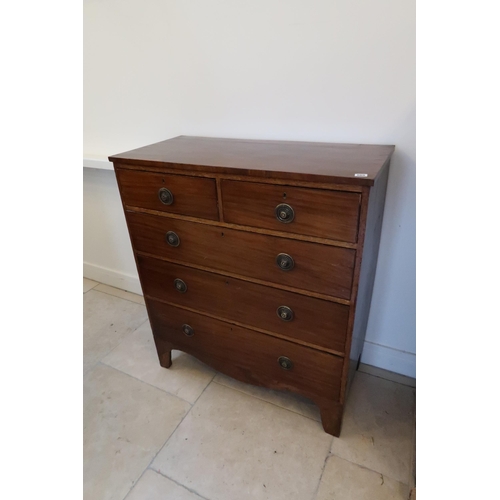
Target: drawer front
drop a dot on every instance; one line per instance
(317, 268)
(247, 355)
(193, 196)
(308, 319)
(313, 212)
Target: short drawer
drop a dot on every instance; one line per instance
(308, 319)
(249, 356)
(178, 194)
(318, 268)
(313, 212)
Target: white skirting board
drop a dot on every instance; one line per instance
(97, 162)
(376, 355)
(389, 359)
(111, 277)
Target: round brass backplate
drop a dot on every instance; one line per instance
(166, 196)
(284, 313)
(285, 363)
(284, 213)
(187, 330)
(180, 286)
(173, 239)
(285, 261)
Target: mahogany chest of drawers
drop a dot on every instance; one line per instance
(258, 257)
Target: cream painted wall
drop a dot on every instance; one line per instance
(336, 70)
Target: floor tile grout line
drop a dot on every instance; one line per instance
(116, 296)
(180, 484)
(387, 379)
(99, 361)
(201, 394)
(144, 382)
(96, 283)
(168, 438)
(141, 297)
(266, 401)
(125, 336)
(163, 475)
(328, 455)
(332, 454)
(135, 483)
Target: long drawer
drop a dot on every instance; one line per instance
(315, 212)
(318, 268)
(177, 194)
(250, 356)
(308, 319)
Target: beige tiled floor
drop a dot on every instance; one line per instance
(189, 433)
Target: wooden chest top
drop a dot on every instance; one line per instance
(299, 161)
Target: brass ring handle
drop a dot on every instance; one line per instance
(284, 213)
(187, 330)
(166, 196)
(285, 363)
(284, 313)
(285, 262)
(180, 286)
(173, 239)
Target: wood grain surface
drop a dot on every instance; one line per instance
(194, 196)
(246, 355)
(318, 268)
(317, 212)
(315, 321)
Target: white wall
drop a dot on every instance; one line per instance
(333, 70)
